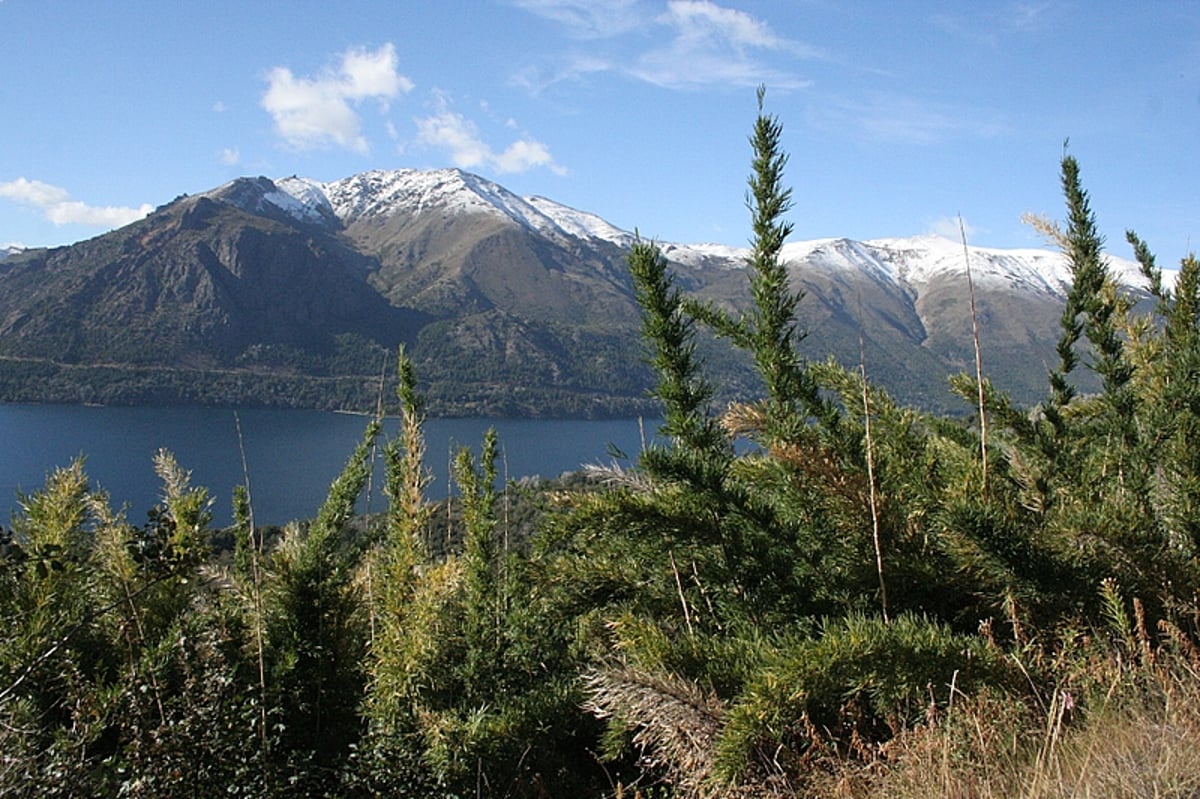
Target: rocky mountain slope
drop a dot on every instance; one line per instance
(295, 292)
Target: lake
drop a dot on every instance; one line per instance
(291, 456)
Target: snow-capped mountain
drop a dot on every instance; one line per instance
(917, 261)
(9, 249)
(381, 194)
(508, 304)
(906, 262)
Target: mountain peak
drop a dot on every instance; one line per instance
(908, 262)
(297, 198)
(525, 293)
(383, 193)
(379, 192)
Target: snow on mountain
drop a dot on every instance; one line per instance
(714, 255)
(9, 249)
(448, 191)
(915, 262)
(385, 192)
(581, 224)
(909, 263)
(302, 198)
(922, 259)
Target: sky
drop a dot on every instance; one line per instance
(899, 116)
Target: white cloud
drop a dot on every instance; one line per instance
(701, 20)
(230, 156)
(712, 44)
(697, 43)
(218, 107)
(535, 79)
(58, 207)
(33, 192)
(315, 112)
(1031, 16)
(454, 133)
(948, 227)
(525, 154)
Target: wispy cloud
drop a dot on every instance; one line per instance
(703, 21)
(994, 26)
(948, 227)
(57, 206)
(1032, 16)
(900, 119)
(321, 111)
(589, 19)
(461, 139)
(230, 156)
(692, 44)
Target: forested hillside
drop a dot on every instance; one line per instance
(820, 592)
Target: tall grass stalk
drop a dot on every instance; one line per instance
(255, 548)
(1137, 738)
(983, 429)
(866, 401)
(371, 603)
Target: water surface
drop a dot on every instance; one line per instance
(291, 456)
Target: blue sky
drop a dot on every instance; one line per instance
(898, 116)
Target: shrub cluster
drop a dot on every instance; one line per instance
(813, 592)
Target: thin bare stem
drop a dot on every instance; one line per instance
(256, 576)
(687, 615)
(371, 603)
(862, 368)
(983, 429)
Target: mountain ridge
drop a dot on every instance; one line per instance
(382, 193)
(509, 305)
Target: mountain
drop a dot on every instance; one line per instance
(293, 292)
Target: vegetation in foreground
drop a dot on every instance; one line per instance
(859, 599)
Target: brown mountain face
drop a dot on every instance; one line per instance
(200, 281)
(235, 297)
(211, 293)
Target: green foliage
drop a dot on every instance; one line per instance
(195, 728)
(859, 679)
(672, 338)
(693, 559)
(784, 590)
(314, 636)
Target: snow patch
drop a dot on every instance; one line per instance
(721, 256)
(303, 198)
(909, 263)
(913, 263)
(580, 224)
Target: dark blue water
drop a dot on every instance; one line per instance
(291, 456)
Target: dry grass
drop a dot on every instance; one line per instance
(1140, 740)
(1135, 736)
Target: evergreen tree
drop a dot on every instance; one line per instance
(314, 634)
(769, 330)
